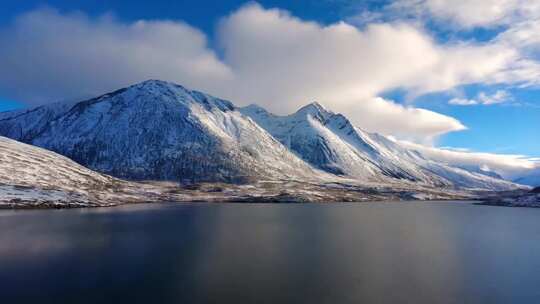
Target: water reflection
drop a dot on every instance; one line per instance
(201, 253)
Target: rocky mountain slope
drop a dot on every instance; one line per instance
(157, 130)
(330, 142)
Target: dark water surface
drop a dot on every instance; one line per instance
(269, 253)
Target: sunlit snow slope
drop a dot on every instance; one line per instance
(330, 142)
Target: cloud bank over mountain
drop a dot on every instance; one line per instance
(509, 166)
(264, 56)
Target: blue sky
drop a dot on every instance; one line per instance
(508, 128)
(203, 14)
(505, 125)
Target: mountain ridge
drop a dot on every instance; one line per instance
(163, 131)
(158, 131)
(330, 142)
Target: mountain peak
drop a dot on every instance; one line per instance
(313, 106)
(156, 85)
(153, 82)
(154, 90)
(255, 110)
(314, 109)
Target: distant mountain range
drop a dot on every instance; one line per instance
(158, 130)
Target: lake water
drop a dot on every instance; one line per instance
(411, 252)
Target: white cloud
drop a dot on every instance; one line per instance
(469, 13)
(508, 166)
(462, 102)
(517, 20)
(269, 57)
(284, 61)
(47, 56)
(514, 52)
(500, 96)
(341, 63)
(525, 34)
(415, 124)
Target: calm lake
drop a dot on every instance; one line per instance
(409, 252)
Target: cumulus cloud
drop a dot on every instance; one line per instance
(266, 57)
(47, 56)
(344, 64)
(515, 51)
(483, 98)
(508, 166)
(518, 23)
(412, 123)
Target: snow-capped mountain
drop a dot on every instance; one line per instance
(327, 141)
(330, 142)
(157, 130)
